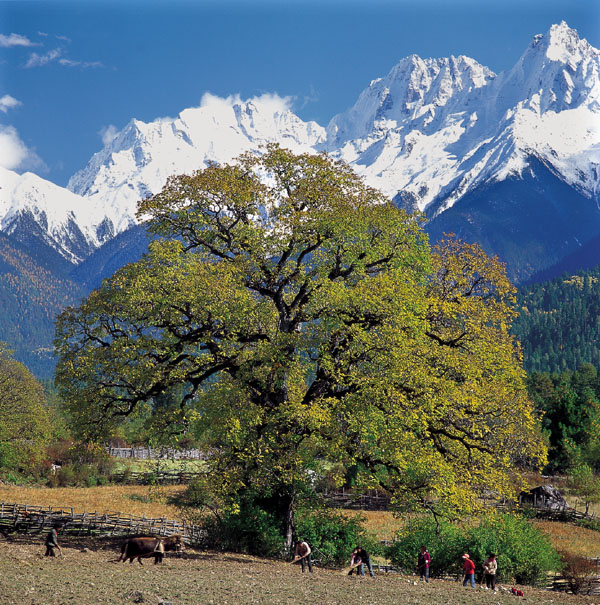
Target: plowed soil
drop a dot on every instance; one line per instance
(87, 574)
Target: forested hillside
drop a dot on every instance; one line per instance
(570, 406)
(31, 295)
(559, 322)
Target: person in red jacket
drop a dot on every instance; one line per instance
(423, 561)
(469, 570)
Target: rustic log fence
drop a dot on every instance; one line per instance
(148, 453)
(156, 477)
(28, 519)
(343, 498)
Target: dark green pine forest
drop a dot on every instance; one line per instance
(559, 322)
(559, 329)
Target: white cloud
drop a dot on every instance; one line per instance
(271, 100)
(14, 154)
(86, 64)
(108, 133)
(64, 38)
(15, 40)
(7, 102)
(36, 60)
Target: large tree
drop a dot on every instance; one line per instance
(25, 424)
(301, 317)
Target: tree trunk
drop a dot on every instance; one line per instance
(289, 529)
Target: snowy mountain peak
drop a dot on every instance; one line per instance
(564, 44)
(138, 161)
(427, 134)
(415, 89)
(434, 129)
(28, 202)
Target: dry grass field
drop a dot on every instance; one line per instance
(380, 523)
(90, 578)
(572, 539)
(136, 500)
(141, 500)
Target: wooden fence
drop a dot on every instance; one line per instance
(148, 453)
(370, 500)
(27, 519)
(152, 477)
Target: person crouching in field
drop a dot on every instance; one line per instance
(423, 561)
(52, 541)
(303, 555)
(360, 557)
(490, 566)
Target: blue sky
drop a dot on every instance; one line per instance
(71, 71)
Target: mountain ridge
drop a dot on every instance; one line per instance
(427, 134)
(510, 160)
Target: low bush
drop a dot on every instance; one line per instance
(588, 524)
(334, 534)
(82, 464)
(249, 530)
(524, 553)
(445, 543)
(579, 572)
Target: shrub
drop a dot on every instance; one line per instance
(445, 544)
(579, 572)
(524, 553)
(246, 527)
(66, 476)
(83, 464)
(249, 530)
(588, 524)
(334, 534)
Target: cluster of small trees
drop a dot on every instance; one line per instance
(569, 403)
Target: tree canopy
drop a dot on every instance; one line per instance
(290, 315)
(25, 425)
(570, 404)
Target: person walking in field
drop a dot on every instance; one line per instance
(490, 567)
(303, 555)
(423, 561)
(469, 570)
(52, 541)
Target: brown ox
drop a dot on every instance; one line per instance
(138, 548)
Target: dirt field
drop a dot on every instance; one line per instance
(89, 578)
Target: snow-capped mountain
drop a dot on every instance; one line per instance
(433, 130)
(445, 136)
(138, 161)
(32, 205)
